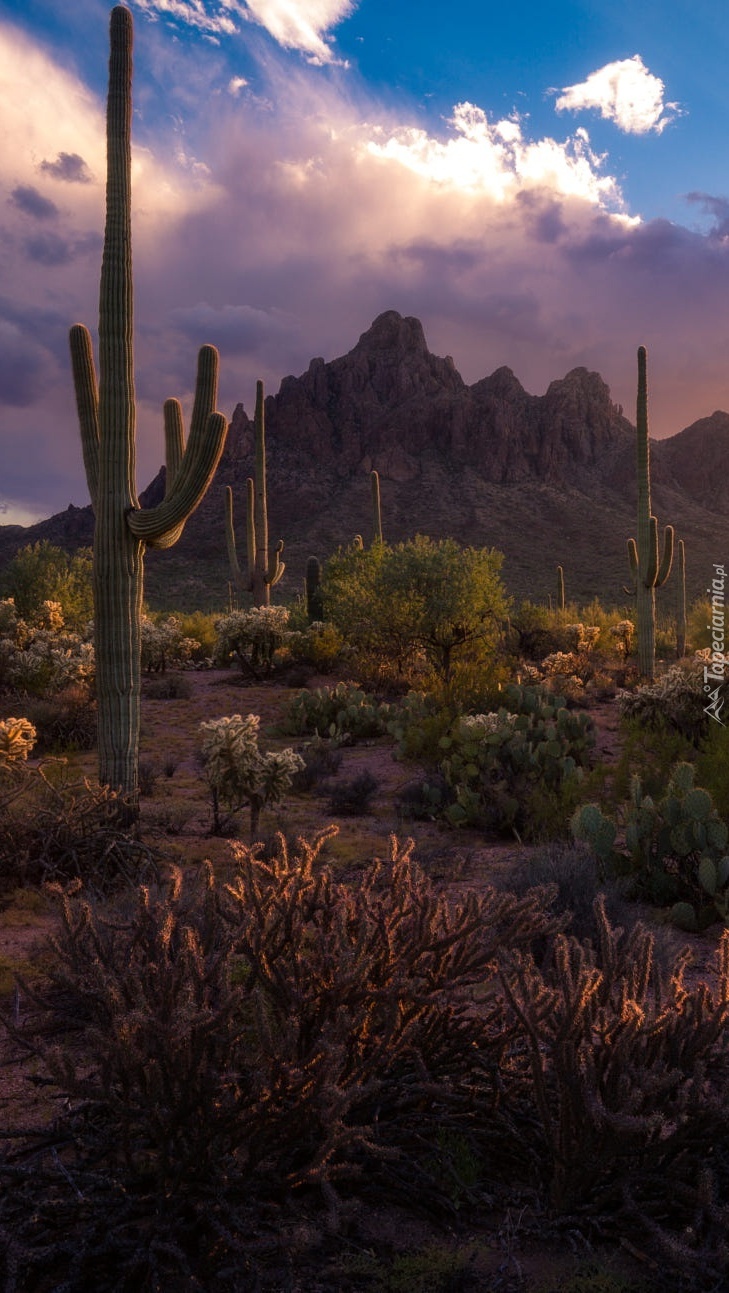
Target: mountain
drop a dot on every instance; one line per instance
(546, 479)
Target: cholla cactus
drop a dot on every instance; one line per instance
(163, 644)
(47, 662)
(238, 772)
(253, 636)
(582, 637)
(623, 632)
(676, 699)
(477, 726)
(17, 738)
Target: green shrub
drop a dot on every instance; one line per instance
(425, 603)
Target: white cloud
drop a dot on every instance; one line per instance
(624, 92)
(493, 158)
(295, 24)
(301, 24)
(211, 20)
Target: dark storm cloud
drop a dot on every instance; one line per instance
(22, 368)
(234, 329)
(70, 167)
(51, 249)
(28, 200)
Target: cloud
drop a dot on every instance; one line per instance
(310, 209)
(301, 24)
(70, 167)
(494, 158)
(210, 19)
(28, 200)
(624, 92)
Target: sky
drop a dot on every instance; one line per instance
(544, 185)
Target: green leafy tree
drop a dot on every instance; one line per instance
(42, 572)
(425, 596)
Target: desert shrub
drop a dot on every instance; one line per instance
(199, 627)
(698, 627)
(353, 798)
(675, 700)
(615, 1046)
(42, 572)
(342, 713)
(148, 774)
(64, 721)
(424, 602)
(320, 760)
(538, 631)
(319, 645)
(239, 773)
(168, 686)
(54, 829)
(252, 637)
(217, 1051)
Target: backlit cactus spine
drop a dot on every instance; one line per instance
(107, 417)
(643, 556)
(681, 602)
(262, 574)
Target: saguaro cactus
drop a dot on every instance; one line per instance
(262, 574)
(376, 509)
(560, 588)
(107, 417)
(681, 602)
(643, 555)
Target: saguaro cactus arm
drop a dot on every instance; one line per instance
(87, 403)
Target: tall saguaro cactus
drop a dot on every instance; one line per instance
(262, 574)
(643, 554)
(560, 588)
(376, 508)
(681, 602)
(107, 417)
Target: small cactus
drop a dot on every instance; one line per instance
(560, 588)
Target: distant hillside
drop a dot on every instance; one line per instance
(546, 479)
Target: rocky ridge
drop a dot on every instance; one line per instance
(546, 479)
